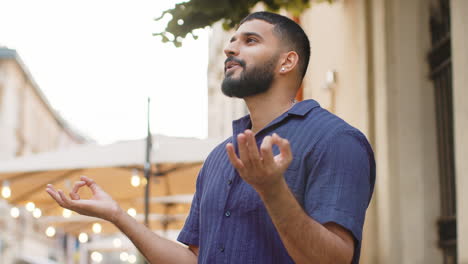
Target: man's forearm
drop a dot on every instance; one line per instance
(155, 248)
(306, 240)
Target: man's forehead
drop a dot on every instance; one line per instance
(260, 27)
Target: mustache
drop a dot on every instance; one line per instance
(241, 62)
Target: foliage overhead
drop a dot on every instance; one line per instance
(195, 14)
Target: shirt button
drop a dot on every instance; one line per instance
(221, 249)
(229, 182)
(227, 214)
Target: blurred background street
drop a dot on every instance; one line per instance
(74, 81)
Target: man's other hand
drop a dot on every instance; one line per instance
(100, 205)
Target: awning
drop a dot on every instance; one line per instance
(175, 165)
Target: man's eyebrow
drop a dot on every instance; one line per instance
(248, 34)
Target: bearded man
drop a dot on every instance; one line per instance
(293, 183)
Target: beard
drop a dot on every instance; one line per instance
(252, 81)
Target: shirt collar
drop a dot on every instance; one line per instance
(303, 107)
(299, 109)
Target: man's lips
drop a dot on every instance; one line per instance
(233, 63)
(232, 67)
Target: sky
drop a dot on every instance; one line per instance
(97, 62)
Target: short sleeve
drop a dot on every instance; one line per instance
(190, 232)
(341, 183)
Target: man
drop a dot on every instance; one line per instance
(291, 185)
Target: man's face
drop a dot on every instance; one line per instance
(252, 57)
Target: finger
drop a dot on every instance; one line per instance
(252, 146)
(267, 151)
(91, 184)
(284, 147)
(243, 151)
(75, 196)
(53, 193)
(66, 201)
(74, 193)
(235, 161)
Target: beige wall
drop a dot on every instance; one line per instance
(459, 24)
(378, 49)
(409, 197)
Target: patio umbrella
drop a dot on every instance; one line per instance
(175, 163)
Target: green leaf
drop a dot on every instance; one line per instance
(201, 13)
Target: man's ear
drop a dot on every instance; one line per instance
(289, 62)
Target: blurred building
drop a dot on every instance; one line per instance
(28, 124)
(397, 71)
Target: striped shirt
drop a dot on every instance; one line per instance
(332, 176)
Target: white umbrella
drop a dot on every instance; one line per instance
(176, 162)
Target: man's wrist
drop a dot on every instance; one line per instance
(117, 216)
(274, 190)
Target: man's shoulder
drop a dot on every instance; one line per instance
(323, 128)
(323, 124)
(219, 150)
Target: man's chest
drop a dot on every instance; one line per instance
(225, 193)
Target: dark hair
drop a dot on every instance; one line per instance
(288, 31)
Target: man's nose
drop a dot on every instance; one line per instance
(231, 50)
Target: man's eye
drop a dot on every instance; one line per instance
(250, 40)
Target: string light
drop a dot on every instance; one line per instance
(30, 206)
(117, 242)
(135, 180)
(96, 257)
(50, 231)
(97, 228)
(6, 191)
(124, 256)
(66, 213)
(144, 181)
(131, 258)
(83, 237)
(14, 212)
(132, 212)
(37, 213)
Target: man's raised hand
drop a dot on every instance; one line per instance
(260, 169)
(100, 205)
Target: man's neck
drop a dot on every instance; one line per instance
(265, 107)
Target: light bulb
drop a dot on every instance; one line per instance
(96, 256)
(132, 212)
(6, 191)
(66, 213)
(135, 180)
(30, 206)
(131, 258)
(83, 237)
(14, 212)
(37, 213)
(144, 181)
(97, 228)
(50, 231)
(124, 256)
(117, 242)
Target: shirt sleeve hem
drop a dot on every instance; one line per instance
(188, 238)
(341, 218)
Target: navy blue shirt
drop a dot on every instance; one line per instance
(332, 176)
